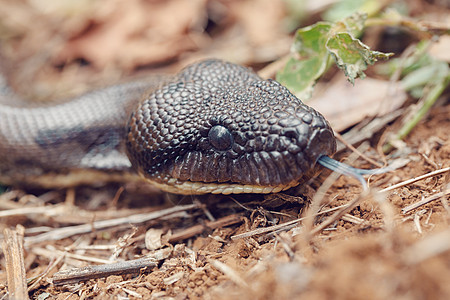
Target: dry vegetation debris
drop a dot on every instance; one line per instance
(133, 242)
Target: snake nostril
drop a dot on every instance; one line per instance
(291, 134)
(220, 137)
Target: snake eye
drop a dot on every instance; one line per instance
(220, 137)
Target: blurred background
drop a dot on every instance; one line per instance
(52, 49)
(57, 48)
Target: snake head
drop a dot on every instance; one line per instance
(219, 128)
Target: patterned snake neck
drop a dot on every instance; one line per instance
(215, 127)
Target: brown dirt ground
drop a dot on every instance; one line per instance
(375, 251)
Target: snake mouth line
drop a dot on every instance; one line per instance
(77, 177)
(198, 188)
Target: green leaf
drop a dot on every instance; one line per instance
(301, 75)
(351, 55)
(316, 46)
(353, 24)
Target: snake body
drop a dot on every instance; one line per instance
(215, 127)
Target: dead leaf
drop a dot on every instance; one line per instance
(344, 105)
(153, 239)
(137, 32)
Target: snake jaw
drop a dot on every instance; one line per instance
(199, 188)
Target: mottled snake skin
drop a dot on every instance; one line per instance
(214, 127)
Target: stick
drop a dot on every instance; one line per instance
(229, 272)
(91, 272)
(361, 154)
(337, 215)
(282, 226)
(15, 267)
(431, 174)
(424, 201)
(197, 229)
(65, 232)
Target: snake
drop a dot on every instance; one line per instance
(213, 127)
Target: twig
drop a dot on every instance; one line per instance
(431, 174)
(283, 226)
(416, 220)
(229, 272)
(91, 272)
(117, 196)
(37, 280)
(337, 215)
(361, 154)
(318, 200)
(352, 219)
(173, 278)
(15, 267)
(197, 229)
(53, 252)
(70, 197)
(48, 211)
(132, 293)
(65, 232)
(424, 201)
(206, 211)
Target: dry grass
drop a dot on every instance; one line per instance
(324, 240)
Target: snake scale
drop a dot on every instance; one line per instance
(215, 127)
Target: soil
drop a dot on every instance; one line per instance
(217, 246)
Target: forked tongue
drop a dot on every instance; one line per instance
(347, 170)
